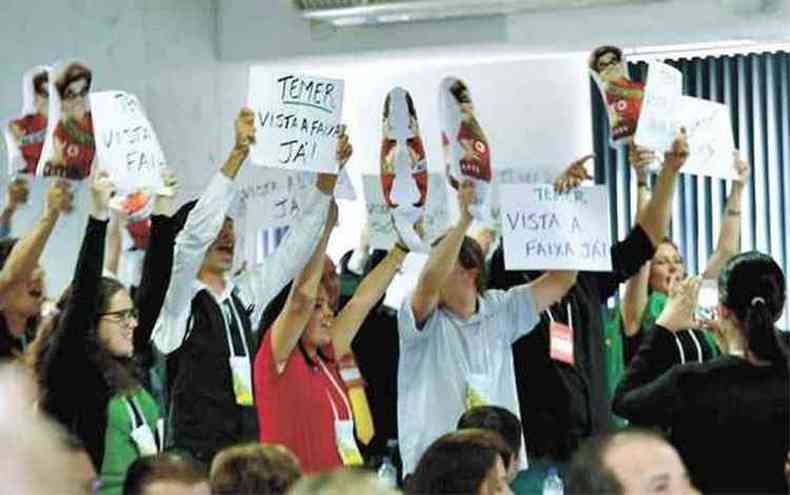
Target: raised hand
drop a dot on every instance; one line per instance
(245, 129)
(164, 201)
(742, 168)
(678, 314)
(102, 190)
(573, 176)
(59, 197)
(344, 148)
(640, 157)
(677, 155)
(17, 193)
(466, 197)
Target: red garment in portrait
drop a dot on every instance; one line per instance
(34, 131)
(478, 168)
(627, 108)
(78, 148)
(420, 175)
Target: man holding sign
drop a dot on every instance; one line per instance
(561, 382)
(207, 320)
(455, 337)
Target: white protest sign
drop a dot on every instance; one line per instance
(382, 233)
(711, 143)
(126, 143)
(658, 126)
(344, 189)
(405, 280)
(544, 230)
(297, 118)
(533, 174)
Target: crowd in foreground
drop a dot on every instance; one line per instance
(288, 377)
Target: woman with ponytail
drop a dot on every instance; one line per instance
(730, 417)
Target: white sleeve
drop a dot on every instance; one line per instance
(357, 261)
(520, 311)
(261, 283)
(200, 230)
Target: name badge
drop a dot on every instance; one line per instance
(561, 343)
(242, 380)
(346, 445)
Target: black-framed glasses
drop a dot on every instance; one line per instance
(123, 315)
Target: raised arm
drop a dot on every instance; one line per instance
(635, 292)
(200, 229)
(287, 329)
(442, 259)
(157, 263)
(16, 195)
(368, 293)
(730, 233)
(551, 287)
(112, 250)
(26, 253)
(654, 220)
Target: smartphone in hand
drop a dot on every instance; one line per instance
(707, 299)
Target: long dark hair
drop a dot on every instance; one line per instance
(120, 373)
(753, 286)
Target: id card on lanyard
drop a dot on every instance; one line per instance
(240, 368)
(561, 339)
(344, 428)
(146, 440)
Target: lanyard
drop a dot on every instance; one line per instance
(339, 390)
(570, 316)
(232, 328)
(138, 420)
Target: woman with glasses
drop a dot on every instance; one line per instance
(87, 373)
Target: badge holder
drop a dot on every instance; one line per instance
(477, 387)
(141, 434)
(561, 339)
(344, 428)
(240, 368)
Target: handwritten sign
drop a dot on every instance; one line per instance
(297, 118)
(382, 232)
(544, 230)
(711, 143)
(658, 125)
(533, 174)
(126, 143)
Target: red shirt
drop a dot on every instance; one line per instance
(34, 130)
(420, 176)
(294, 407)
(78, 148)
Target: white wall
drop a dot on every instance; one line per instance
(161, 50)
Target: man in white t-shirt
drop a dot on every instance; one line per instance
(455, 338)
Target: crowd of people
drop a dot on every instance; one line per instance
(291, 376)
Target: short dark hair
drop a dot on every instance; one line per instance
(588, 473)
(460, 92)
(40, 81)
(471, 256)
(253, 469)
(496, 419)
(161, 467)
(600, 52)
(458, 462)
(753, 286)
(73, 72)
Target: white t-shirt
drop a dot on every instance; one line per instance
(440, 363)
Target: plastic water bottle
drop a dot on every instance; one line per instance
(552, 484)
(387, 472)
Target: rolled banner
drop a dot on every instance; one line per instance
(69, 148)
(25, 135)
(467, 152)
(404, 171)
(622, 96)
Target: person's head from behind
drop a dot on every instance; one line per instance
(341, 482)
(164, 474)
(470, 461)
(253, 469)
(27, 293)
(627, 462)
(752, 292)
(607, 62)
(501, 421)
(666, 267)
(468, 276)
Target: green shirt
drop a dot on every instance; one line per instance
(120, 451)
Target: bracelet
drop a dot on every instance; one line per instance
(401, 246)
(733, 213)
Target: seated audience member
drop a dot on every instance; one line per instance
(16, 195)
(455, 337)
(22, 289)
(164, 474)
(207, 319)
(629, 462)
(87, 372)
(341, 482)
(470, 461)
(562, 394)
(311, 395)
(499, 420)
(253, 469)
(729, 418)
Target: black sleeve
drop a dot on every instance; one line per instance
(66, 360)
(155, 279)
(628, 256)
(649, 394)
(498, 276)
